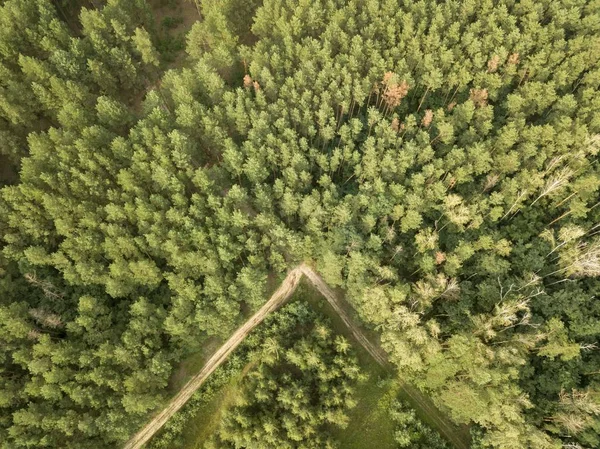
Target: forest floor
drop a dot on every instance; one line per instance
(186, 10)
(425, 408)
(8, 172)
(174, 18)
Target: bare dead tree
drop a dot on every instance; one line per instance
(46, 318)
(47, 287)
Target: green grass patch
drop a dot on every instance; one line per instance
(206, 421)
(370, 425)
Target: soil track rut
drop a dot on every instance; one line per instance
(285, 290)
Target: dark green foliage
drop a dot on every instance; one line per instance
(411, 432)
(54, 68)
(301, 384)
(171, 22)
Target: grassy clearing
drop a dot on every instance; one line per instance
(369, 425)
(207, 419)
(192, 364)
(369, 421)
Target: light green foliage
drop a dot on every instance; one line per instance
(144, 46)
(558, 344)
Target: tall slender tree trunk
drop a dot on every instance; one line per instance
(66, 19)
(197, 3)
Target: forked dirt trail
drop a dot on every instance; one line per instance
(285, 290)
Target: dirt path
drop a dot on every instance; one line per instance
(447, 428)
(285, 290)
(318, 282)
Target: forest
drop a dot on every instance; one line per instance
(165, 163)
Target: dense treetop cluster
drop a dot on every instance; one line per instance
(302, 382)
(437, 160)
